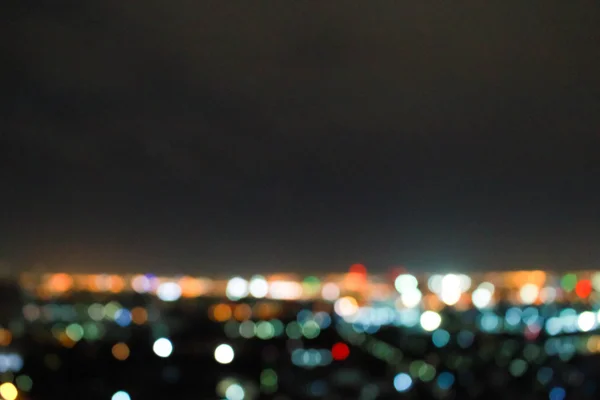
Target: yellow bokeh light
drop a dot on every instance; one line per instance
(8, 391)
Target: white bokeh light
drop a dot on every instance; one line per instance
(465, 282)
(529, 293)
(237, 288)
(586, 321)
(481, 297)
(259, 287)
(430, 321)
(405, 282)
(162, 347)
(224, 354)
(346, 306)
(235, 392)
(169, 291)
(411, 298)
(121, 395)
(450, 291)
(285, 290)
(435, 283)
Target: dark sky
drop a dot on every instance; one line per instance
(297, 135)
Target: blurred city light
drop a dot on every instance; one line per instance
(162, 347)
(224, 354)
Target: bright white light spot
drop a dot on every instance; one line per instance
(451, 281)
(235, 392)
(411, 298)
(285, 290)
(430, 320)
(586, 321)
(121, 395)
(481, 297)
(224, 354)
(330, 291)
(346, 306)
(435, 283)
(465, 282)
(168, 291)
(450, 289)
(529, 293)
(162, 347)
(237, 288)
(259, 287)
(488, 286)
(405, 282)
(450, 296)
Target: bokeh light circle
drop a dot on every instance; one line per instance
(224, 354)
(162, 347)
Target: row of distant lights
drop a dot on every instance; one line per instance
(368, 318)
(308, 325)
(223, 354)
(257, 287)
(451, 287)
(347, 307)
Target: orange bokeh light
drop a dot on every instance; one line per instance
(139, 315)
(242, 312)
(60, 283)
(221, 312)
(5, 337)
(191, 287)
(120, 351)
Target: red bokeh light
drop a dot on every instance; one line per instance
(340, 351)
(583, 288)
(358, 269)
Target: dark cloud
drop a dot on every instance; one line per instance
(282, 134)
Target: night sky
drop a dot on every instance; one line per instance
(218, 137)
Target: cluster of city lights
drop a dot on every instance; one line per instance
(446, 311)
(433, 291)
